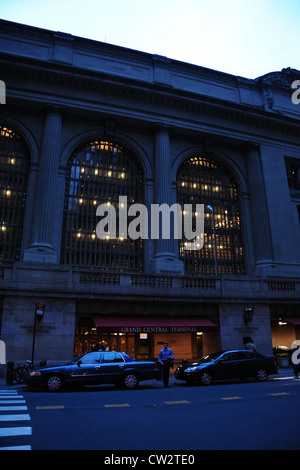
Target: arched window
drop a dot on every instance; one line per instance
(202, 180)
(99, 172)
(14, 169)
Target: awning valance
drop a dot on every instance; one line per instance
(294, 320)
(152, 324)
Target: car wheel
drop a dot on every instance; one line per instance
(130, 381)
(261, 375)
(205, 378)
(54, 383)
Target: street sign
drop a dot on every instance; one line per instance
(39, 308)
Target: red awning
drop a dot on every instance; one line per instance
(294, 320)
(149, 324)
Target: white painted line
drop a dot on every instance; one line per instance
(15, 397)
(16, 448)
(283, 378)
(23, 431)
(6, 402)
(13, 408)
(15, 417)
(8, 391)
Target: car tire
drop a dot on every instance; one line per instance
(54, 383)
(130, 381)
(205, 378)
(261, 375)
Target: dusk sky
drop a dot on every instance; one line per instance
(241, 37)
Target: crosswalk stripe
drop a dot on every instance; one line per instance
(19, 431)
(15, 417)
(11, 397)
(5, 402)
(13, 408)
(16, 448)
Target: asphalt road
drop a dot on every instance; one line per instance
(225, 416)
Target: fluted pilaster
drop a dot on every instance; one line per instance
(41, 248)
(259, 212)
(165, 258)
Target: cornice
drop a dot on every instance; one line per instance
(137, 90)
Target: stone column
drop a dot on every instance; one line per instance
(259, 213)
(165, 258)
(41, 248)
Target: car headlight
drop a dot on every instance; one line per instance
(190, 369)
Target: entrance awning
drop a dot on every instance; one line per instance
(294, 320)
(149, 324)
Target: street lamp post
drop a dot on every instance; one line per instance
(38, 313)
(210, 208)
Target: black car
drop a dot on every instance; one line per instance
(233, 364)
(95, 368)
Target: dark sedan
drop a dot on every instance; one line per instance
(233, 364)
(95, 368)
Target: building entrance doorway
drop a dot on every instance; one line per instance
(88, 339)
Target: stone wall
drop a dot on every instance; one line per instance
(233, 327)
(54, 337)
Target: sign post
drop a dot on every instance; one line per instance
(38, 313)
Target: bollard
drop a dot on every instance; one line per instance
(10, 373)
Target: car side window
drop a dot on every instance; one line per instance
(246, 355)
(91, 358)
(230, 357)
(111, 357)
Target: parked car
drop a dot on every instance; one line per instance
(95, 368)
(233, 364)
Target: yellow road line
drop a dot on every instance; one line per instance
(231, 398)
(177, 402)
(54, 407)
(120, 405)
(278, 394)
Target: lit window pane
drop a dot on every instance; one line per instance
(14, 168)
(201, 180)
(99, 173)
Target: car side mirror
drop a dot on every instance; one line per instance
(79, 363)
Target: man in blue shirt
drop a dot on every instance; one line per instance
(166, 358)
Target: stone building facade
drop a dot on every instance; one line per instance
(82, 124)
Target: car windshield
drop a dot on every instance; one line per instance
(211, 357)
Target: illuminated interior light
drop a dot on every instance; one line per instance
(8, 193)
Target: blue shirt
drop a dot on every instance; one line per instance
(165, 354)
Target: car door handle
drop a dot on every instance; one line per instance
(121, 366)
